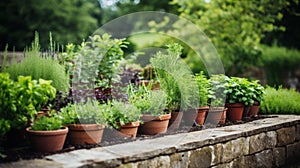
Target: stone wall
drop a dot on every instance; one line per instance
(270, 142)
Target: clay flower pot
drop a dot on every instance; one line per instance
(189, 117)
(47, 141)
(130, 129)
(175, 120)
(154, 124)
(80, 134)
(200, 118)
(253, 111)
(235, 111)
(216, 115)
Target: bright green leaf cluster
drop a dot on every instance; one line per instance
(21, 100)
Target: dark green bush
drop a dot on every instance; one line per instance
(278, 63)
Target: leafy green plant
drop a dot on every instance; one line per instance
(217, 93)
(122, 113)
(280, 101)
(44, 123)
(241, 90)
(237, 91)
(89, 112)
(22, 99)
(148, 101)
(173, 75)
(204, 87)
(257, 89)
(33, 64)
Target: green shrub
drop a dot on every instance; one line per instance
(39, 67)
(20, 100)
(280, 101)
(278, 62)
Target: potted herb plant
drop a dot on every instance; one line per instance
(204, 87)
(238, 95)
(124, 117)
(20, 101)
(152, 104)
(173, 76)
(217, 96)
(85, 121)
(47, 134)
(257, 92)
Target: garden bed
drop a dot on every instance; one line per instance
(25, 152)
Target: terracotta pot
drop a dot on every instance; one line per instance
(175, 120)
(111, 134)
(80, 134)
(189, 117)
(216, 115)
(200, 118)
(253, 111)
(47, 141)
(130, 129)
(235, 111)
(154, 125)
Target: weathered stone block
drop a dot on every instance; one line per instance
(250, 161)
(201, 158)
(279, 156)
(239, 162)
(161, 162)
(217, 154)
(264, 158)
(257, 143)
(224, 165)
(298, 133)
(271, 139)
(235, 148)
(293, 152)
(286, 136)
(179, 160)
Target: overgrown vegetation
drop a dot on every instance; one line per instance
(279, 63)
(280, 101)
(38, 67)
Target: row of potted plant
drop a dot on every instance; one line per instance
(84, 122)
(239, 97)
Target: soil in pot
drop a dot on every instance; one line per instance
(235, 111)
(201, 115)
(154, 125)
(47, 141)
(80, 134)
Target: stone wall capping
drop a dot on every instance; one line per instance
(172, 150)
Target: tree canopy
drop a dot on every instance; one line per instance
(234, 27)
(69, 21)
